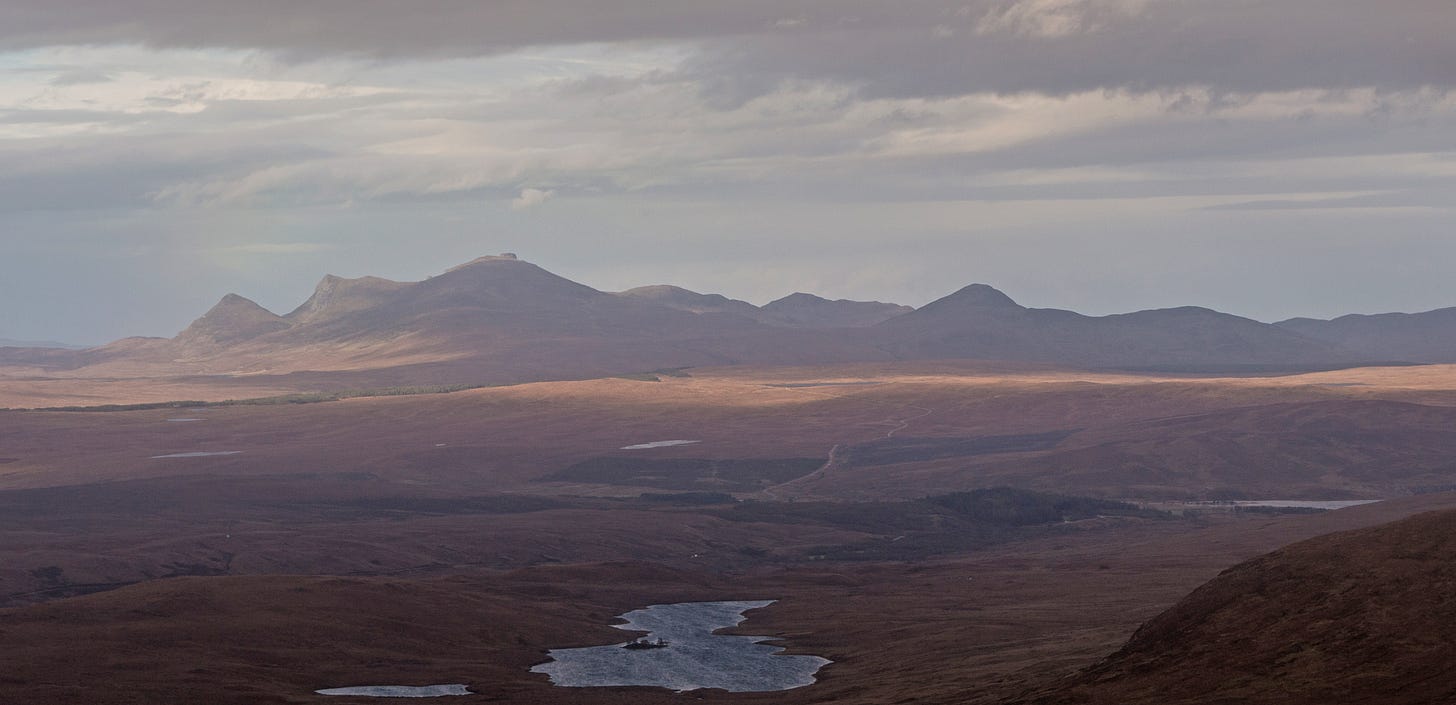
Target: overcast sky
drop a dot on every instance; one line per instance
(1269, 159)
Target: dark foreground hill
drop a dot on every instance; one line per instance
(1356, 617)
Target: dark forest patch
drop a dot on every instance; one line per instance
(700, 474)
(890, 451)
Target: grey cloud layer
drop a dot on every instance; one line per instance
(906, 48)
(746, 146)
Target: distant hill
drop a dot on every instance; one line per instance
(685, 300)
(234, 319)
(1403, 337)
(499, 319)
(982, 322)
(808, 310)
(11, 343)
(1362, 616)
(797, 310)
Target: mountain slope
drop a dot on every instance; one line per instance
(691, 301)
(499, 319)
(1361, 616)
(981, 322)
(234, 319)
(336, 296)
(1404, 337)
(810, 311)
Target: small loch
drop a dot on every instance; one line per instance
(658, 444)
(694, 657)
(198, 454)
(399, 691)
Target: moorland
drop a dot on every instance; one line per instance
(438, 482)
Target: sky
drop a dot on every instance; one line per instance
(1269, 159)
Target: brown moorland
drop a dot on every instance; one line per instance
(478, 504)
(976, 628)
(1354, 617)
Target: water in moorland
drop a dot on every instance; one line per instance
(399, 691)
(1304, 503)
(694, 657)
(658, 444)
(198, 454)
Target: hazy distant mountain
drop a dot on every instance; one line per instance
(233, 320)
(981, 322)
(685, 300)
(335, 297)
(1405, 337)
(797, 310)
(494, 319)
(810, 311)
(500, 319)
(11, 343)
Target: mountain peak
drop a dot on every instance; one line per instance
(487, 259)
(807, 310)
(983, 295)
(976, 297)
(335, 296)
(235, 318)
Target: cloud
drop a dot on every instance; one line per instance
(277, 248)
(991, 131)
(1004, 46)
(81, 77)
(531, 198)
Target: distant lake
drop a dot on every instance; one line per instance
(398, 691)
(1305, 503)
(198, 454)
(658, 444)
(694, 658)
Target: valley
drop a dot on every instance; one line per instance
(959, 529)
(853, 494)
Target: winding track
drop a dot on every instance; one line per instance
(772, 492)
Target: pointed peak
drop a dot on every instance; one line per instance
(984, 295)
(233, 319)
(798, 297)
(487, 259)
(237, 301)
(659, 290)
(978, 297)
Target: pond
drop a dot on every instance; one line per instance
(694, 657)
(399, 691)
(659, 444)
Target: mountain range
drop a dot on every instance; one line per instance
(501, 319)
(11, 343)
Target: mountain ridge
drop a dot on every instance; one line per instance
(1428, 336)
(502, 319)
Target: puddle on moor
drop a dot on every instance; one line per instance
(198, 454)
(693, 658)
(399, 691)
(1304, 503)
(658, 444)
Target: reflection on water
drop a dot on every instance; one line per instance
(659, 444)
(694, 657)
(398, 691)
(198, 454)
